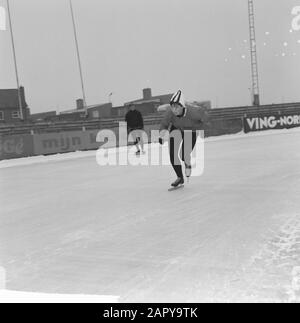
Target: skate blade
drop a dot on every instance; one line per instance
(176, 188)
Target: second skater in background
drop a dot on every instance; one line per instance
(135, 125)
(182, 120)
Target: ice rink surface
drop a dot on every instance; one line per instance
(69, 226)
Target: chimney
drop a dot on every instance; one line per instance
(22, 93)
(147, 94)
(79, 104)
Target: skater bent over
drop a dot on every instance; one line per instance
(135, 125)
(179, 117)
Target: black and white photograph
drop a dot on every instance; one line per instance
(150, 153)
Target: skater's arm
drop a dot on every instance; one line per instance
(202, 106)
(199, 113)
(165, 122)
(163, 107)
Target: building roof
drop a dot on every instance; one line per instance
(72, 111)
(43, 114)
(141, 101)
(156, 98)
(102, 105)
(9, 98)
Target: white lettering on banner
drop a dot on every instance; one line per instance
(290, 120)
(264, 122)
(251, 122)
(64, 143)
(273, 122)
(282, 121)
(12, 146)
(2, 19)
(296, 20)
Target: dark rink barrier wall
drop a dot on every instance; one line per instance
(52, 143)
(221, 127)
(15, 146)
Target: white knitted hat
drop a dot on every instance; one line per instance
(178, 98)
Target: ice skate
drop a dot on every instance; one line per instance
(188, 170)
(177, 184)
(179, 181)
(138, 153)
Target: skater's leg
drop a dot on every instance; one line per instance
(137, 143)
(140, 139)
(188, 144)
(135, 137)
(174, 146)
(142, 143)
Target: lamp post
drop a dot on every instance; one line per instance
(15, 61)
(254, 69)
(78, 57)
(251, 95)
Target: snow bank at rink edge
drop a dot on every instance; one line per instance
(7, 296)
(92, 153)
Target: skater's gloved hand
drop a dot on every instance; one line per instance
(163, 135)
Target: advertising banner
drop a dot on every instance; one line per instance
(52, 143)
(271, 122)
(16, 146)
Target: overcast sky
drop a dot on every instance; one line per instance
(199, 46)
